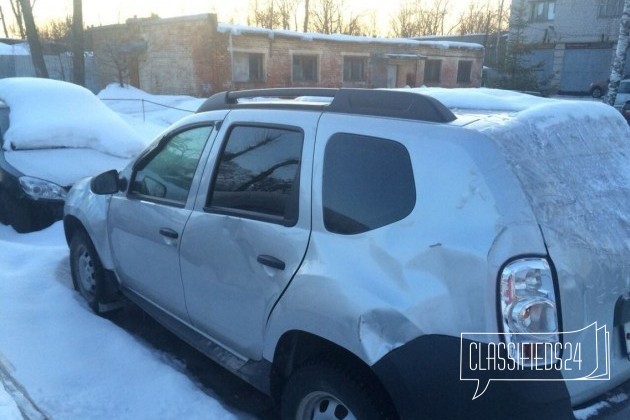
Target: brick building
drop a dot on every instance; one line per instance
(196, 55)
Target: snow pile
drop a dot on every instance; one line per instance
(74, 364)
(483, 98)
(16, 49)
(50, 114)
(8, 408)
(236, 30)
(148, 114)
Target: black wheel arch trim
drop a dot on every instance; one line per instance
(423, 378)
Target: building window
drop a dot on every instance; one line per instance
(464, 69)
(248, 67)
(610, 8)
(305, 68)
(354, 69)
(432, 70)
(543, 11)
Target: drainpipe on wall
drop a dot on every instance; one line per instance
(231, 60)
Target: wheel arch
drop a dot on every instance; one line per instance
(296, 348)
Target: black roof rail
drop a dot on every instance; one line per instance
(383, 103)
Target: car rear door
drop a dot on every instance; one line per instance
(146, 224)
(251, 225)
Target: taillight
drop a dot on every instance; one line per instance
(529, 309)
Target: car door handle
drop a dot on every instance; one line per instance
(270, 261)
(169, 233)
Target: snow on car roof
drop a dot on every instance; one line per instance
(48, 114)
(572, 158)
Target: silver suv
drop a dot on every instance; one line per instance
(374, 256)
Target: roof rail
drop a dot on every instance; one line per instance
(383, 103)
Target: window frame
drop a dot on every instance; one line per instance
(261, 66)
(152, 152)
(353, 59)
(464, 79)
(305, 56)
(607, 9)
(548, 7)
(248, 214)
(439, 72)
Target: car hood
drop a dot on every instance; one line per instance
(63, 166)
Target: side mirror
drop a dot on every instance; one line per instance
(106, 183)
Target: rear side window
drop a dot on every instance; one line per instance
(368, 183)
(258, 174)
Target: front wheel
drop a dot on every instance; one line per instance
(325, 391)
(87, 271)
(596, 92)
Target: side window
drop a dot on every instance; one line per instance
(168, 173)
(368, 183)
(258, 174)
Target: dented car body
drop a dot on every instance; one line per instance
(364, 241)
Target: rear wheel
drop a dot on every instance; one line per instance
(4, 210)
(325, 390)
(596, 92)
(87, 271)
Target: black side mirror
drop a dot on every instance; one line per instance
(106, 183)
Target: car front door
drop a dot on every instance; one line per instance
(248, 234)
(145, 225)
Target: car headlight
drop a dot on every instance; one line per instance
(39, 189)
(529, 310)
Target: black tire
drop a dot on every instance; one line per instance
(596, 92)
(16, 212)
(325, 390)
(88, 275)
(4, 208)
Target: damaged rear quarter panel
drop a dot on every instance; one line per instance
(434, 272)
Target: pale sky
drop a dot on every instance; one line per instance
(104, 12)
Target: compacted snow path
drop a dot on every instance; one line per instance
(74, 364)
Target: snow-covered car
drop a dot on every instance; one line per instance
(379, 256)
(52, 134)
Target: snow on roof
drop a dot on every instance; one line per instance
(236, 30)
(15, 49)
(48, 113)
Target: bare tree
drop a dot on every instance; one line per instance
(433, 18)
(478, 18)
(78, 49)
(404, 23)
(327, 16)
(619, 61)
(4, 23)
(503, 18)
(56, 30)
(122, 57)
(307, 13)
(264, 14)
(37, 54)
(353, 25)
(287, 9)
(413, 18)
(16, 7)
